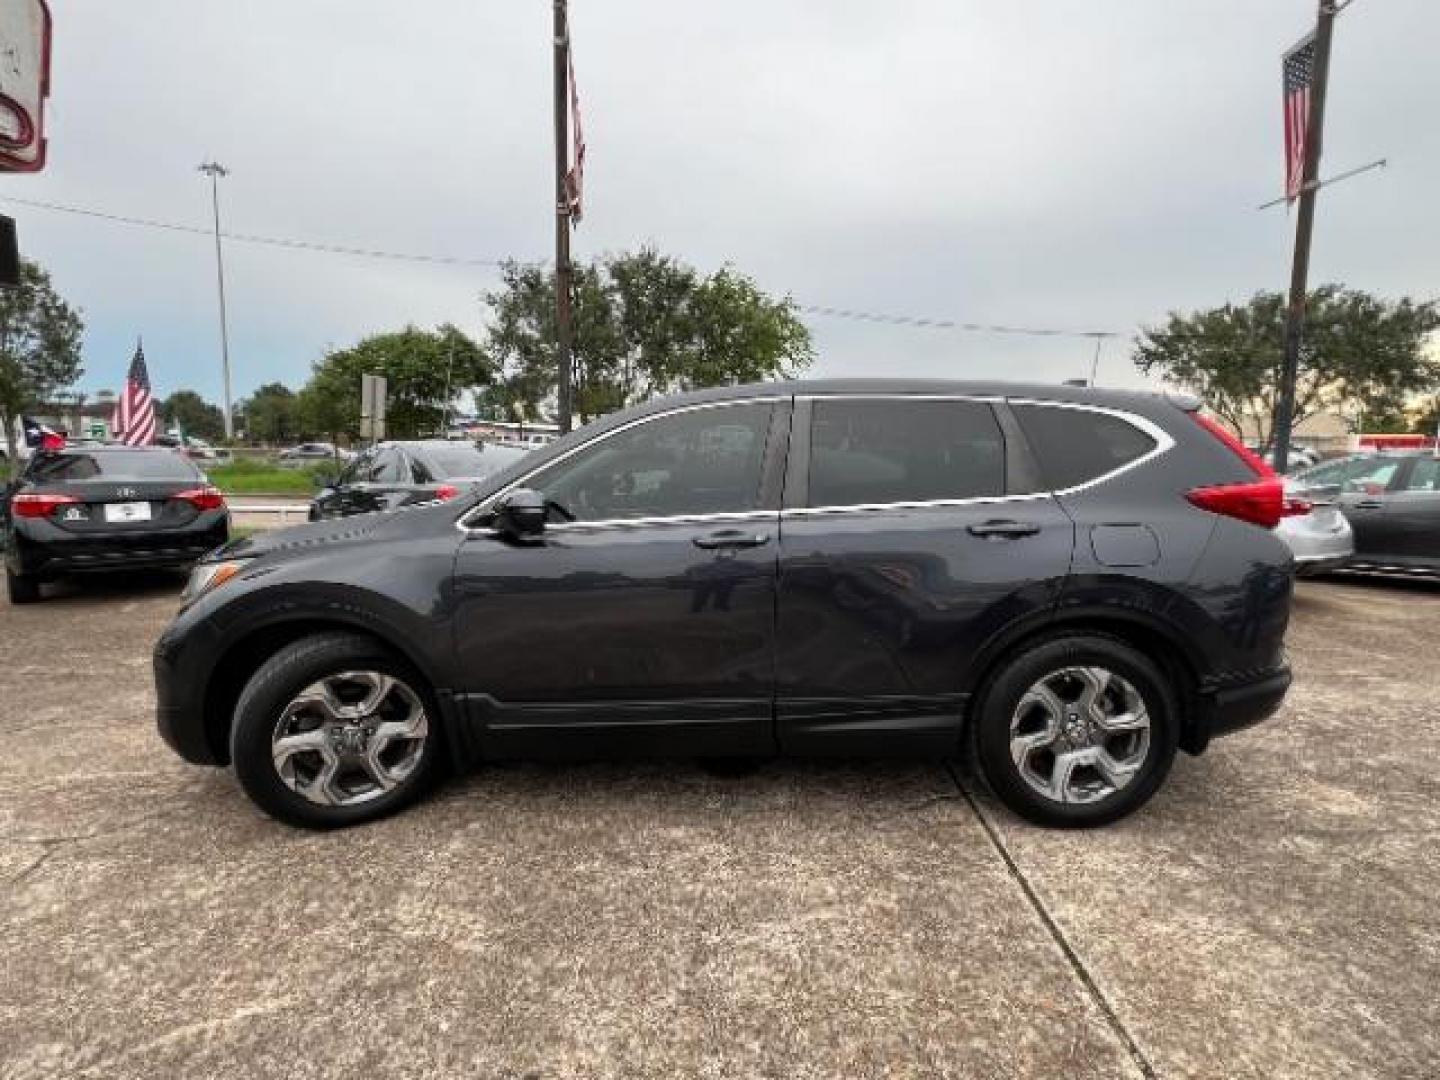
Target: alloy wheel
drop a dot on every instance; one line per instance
(349, 738)
(1080, 734)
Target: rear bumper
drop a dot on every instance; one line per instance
(1310, 565)
(1235, 707)
(48, 551)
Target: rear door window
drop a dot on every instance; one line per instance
(1425, 476)
(1371, 476)
(896, 451)
(1075, 446)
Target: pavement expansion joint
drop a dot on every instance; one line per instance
(1057, 934)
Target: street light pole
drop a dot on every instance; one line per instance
(215, 170)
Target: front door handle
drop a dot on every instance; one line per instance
(1004, 529)
(730, 538)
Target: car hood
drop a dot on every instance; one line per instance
(303, 537)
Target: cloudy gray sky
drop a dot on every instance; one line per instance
(1041, 162)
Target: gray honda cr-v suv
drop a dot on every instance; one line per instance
(1071, 584)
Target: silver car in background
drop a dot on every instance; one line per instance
(1318, 534)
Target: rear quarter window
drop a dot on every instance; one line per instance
(1075, 446)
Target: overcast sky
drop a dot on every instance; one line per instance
(1040, 162)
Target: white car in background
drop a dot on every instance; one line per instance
(1318, 534)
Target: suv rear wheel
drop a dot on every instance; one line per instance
(334, 730)
(1077, 731)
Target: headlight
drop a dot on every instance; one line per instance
(207, 576)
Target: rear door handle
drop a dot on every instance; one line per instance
(1004, 529)
(1369, 504)
(731, 538)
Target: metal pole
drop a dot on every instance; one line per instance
(563, 331)
(1095, 363)
(1304, 226)
(215, 170)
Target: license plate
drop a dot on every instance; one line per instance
(133, 511)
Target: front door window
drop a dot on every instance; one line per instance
(701, 461)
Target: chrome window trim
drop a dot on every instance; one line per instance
(1164, 442)
(489, 501)
(927, 504)
(678, 519)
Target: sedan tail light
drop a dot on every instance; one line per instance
(202, 498)
(1294, 506)
(446, 492)
(1260, 502)
(39, 506)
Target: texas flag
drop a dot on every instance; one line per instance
(40, 436)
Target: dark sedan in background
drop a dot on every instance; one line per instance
(1392, 501)
(95, 508)
(395, 474)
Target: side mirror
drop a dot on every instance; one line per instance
(520, 516)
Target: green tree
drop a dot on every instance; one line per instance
(1426, 419)
(193, 415)
(645, 324)
(269, 414)
(39, 346)
(1357, 350)
(324, 409)
(425, 372)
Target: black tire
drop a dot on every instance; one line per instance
(990, 728)
(276, 683)
(22, 588)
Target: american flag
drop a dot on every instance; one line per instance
(1298, 74)
(575, 177)
(133, 421)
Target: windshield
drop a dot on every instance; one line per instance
(464, 460)
(112, 465)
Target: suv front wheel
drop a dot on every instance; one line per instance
(1077, 731)
(334, 730)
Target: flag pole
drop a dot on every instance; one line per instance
(1304, 227)
(563, 330)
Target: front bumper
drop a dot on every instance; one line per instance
(1234, 707)
(180, 675)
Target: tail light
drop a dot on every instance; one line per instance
(1294, 506)
(446, 492)
(39, 506)
(1260, 502)
(202, 498)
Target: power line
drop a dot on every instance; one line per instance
(249, 238)
(949, 324)
(852, 314)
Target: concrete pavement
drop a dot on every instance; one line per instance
(1270, 915)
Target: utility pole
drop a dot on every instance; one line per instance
(563, 330)
(1304, 226)
(215, 170)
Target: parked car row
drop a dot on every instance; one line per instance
(1388, 502)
